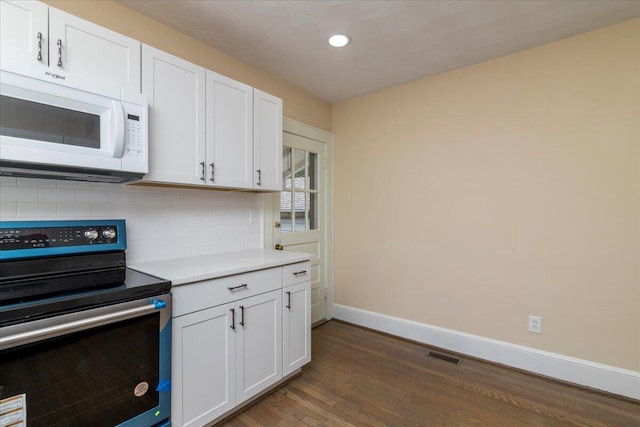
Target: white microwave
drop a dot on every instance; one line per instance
(53, 131)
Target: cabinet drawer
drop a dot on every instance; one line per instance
(296, 273)
(209, 293)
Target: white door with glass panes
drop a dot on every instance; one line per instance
(302, 211)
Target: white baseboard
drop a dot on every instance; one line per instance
(614, 380)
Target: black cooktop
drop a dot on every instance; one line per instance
(136, 285)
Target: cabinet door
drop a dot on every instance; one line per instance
(229, 132)
(175, 91)
(203, 365)
(258, 344)
(296, 327)
(92, 57)
(20, 24)
(267, 141)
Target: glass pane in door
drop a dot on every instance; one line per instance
(287, 162)
(312, 171)
(312, 206)
(300, 211)
(299, 166)
(285, 211)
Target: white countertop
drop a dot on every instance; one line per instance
(204, 267)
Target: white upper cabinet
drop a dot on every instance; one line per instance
(267, 141)
(229, 132)
(24, 35)
(175, 90)
(46, 43)
(106, 59)
(206, 129)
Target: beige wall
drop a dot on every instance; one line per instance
(474, 198)
(298, 105)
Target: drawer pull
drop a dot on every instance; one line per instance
(233, 318)
(59, 53)
(235, 288)
(297, 273)
(288, 300)
(39, 46)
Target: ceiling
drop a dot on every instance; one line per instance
(393, 42)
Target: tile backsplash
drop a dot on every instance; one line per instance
(162, 223)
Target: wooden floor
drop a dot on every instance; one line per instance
(359, 377)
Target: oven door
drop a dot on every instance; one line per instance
(105, 366)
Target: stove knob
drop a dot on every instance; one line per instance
(91, 234)
(109, 233)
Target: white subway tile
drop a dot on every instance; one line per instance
(105, 186)
(56, 195)
(115, 197)
(92, 196)
(74, 210)
(103, 210)
(74, 185)
(35, 182)
(194, 222)
(7, 181)
(18, 194)
(8, 209)
(37, 210)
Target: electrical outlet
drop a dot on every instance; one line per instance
(535, 324)
(253, 215)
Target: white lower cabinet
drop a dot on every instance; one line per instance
(258, 344)
(296, 321)
(203, 366)
(223, 355)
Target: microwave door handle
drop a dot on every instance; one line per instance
(118, 128)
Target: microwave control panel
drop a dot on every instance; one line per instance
(133, 129)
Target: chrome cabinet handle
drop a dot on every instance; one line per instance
(39, 46)
(233, 318)
(259, 177)
(288, 300)
(213, 177)
(202, 177)
(235, 288)
(59, 53)
(242, 315)
(297, 273)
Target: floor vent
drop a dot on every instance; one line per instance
(444, 357)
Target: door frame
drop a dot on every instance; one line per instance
(271, 204)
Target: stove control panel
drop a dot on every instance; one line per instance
(35, 238)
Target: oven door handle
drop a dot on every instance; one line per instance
(79, 325)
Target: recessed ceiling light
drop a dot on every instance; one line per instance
(339, 40)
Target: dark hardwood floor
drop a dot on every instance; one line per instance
(359, 377)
